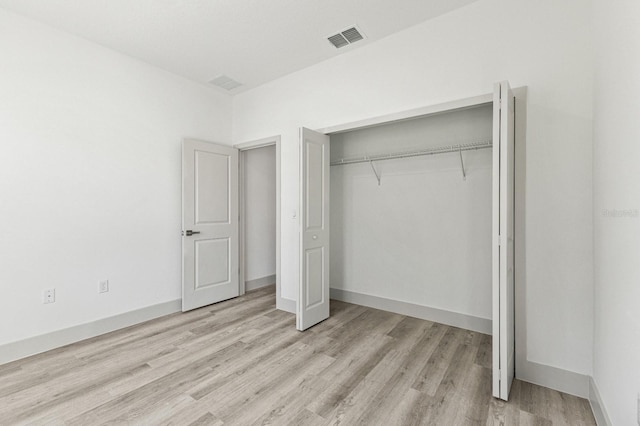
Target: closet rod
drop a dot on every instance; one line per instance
(441, 150)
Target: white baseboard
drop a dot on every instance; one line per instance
(597, 405)
(554, 378)
(45, 342)
(259, 282)
(455, 319)
(544, 375)
(287, 305)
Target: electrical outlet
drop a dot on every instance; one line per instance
(49, 296)
(104, 286)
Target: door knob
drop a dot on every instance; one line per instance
(189, 232)
(315, 237)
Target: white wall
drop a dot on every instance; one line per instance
(422, 236)
(90, 177)
(260, 212)
(545, 45)
(616, 207)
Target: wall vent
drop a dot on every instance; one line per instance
(346, 37)
(227, 83)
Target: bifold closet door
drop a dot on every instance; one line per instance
(503, 247)
(313, 295)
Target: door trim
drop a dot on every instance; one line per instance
(409, 114)
(243, 147)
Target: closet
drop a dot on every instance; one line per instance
(415, 213)
(411, 215)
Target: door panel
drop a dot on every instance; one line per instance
(314, 182)
(212, 187)
(210, 211)
(313, 295)
(503, 245)
(212, 266)
(314, 277)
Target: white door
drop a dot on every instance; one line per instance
(313, 295)
(503, 247)
(210, 259)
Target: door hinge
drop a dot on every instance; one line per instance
(499, 240)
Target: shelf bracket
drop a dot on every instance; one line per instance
(375, 171)
(464, 174)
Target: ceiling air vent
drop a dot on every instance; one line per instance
(352, 35)
(345, 37)
(338, 41)
(225, 82)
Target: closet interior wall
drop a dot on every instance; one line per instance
(259, 180)
(423, 235)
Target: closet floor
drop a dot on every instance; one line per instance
(242, 362)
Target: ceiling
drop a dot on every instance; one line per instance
(251, 41)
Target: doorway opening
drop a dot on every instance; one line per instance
(505, 207)
(259, 196)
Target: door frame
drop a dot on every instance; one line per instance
(243, 148)
(522, 365)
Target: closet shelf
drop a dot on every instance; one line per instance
(433, 151)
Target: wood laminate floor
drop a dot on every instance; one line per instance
(241, 362)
